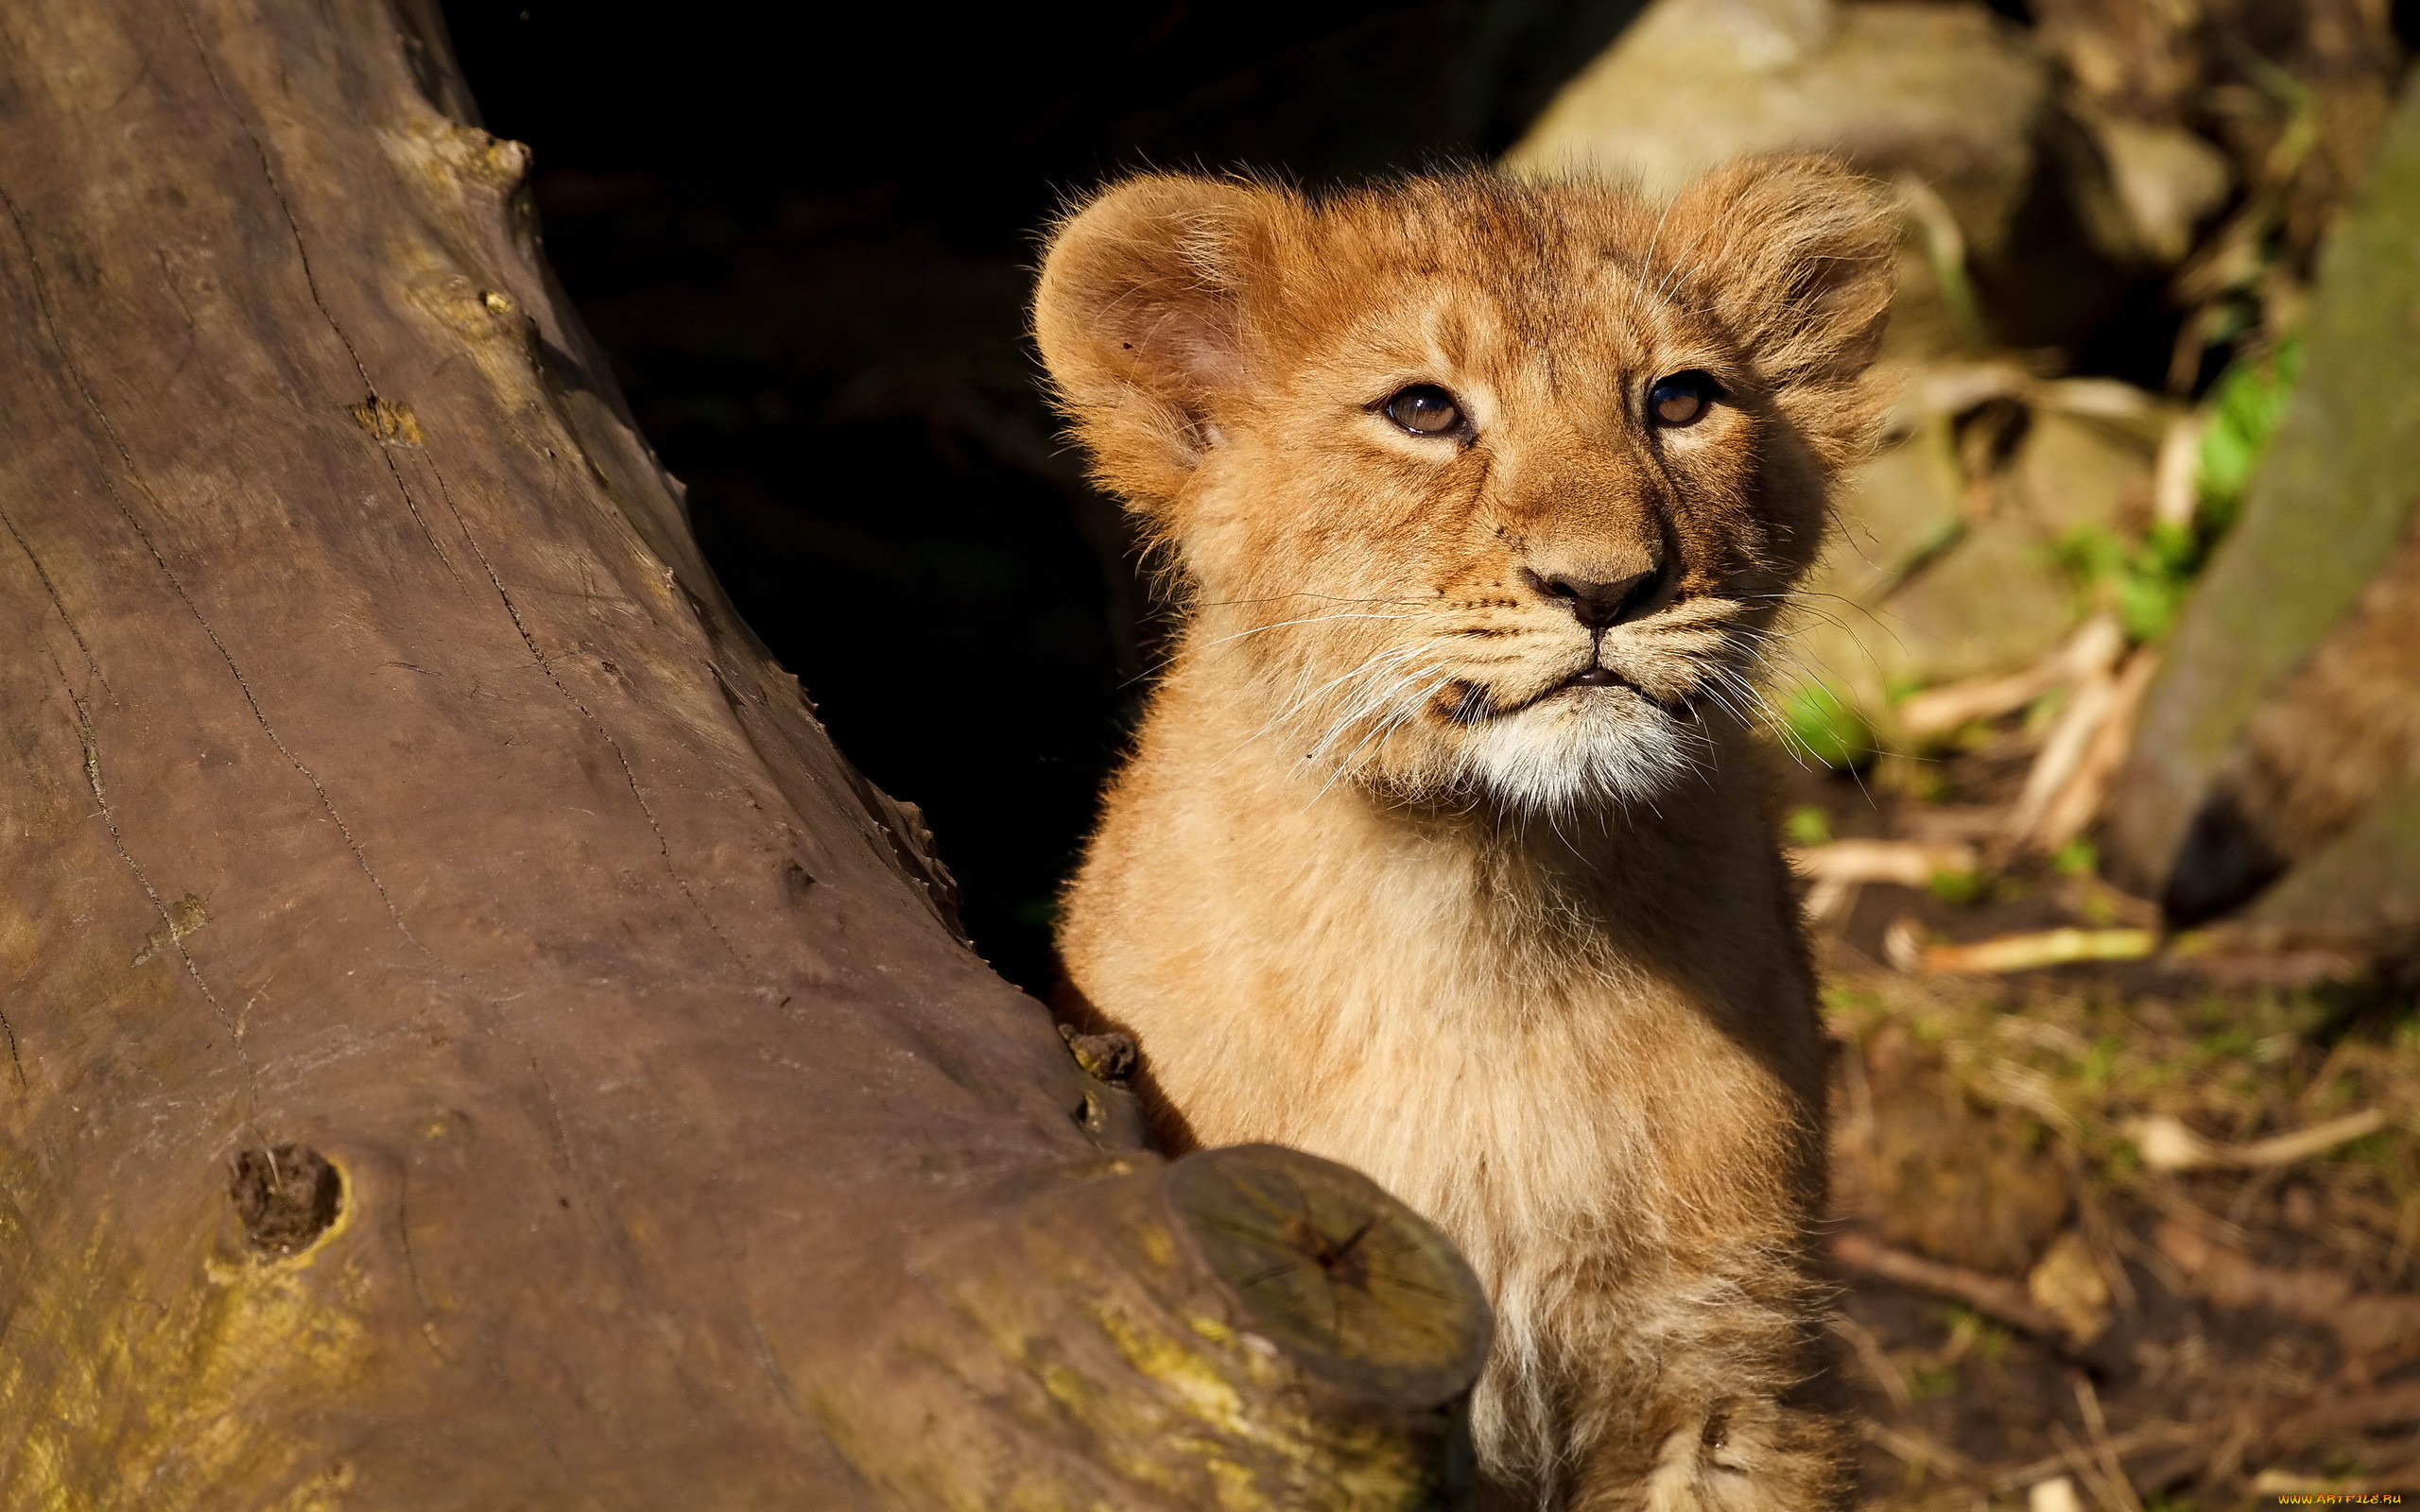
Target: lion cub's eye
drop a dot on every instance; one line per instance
(1424, 409)
(1680, 400)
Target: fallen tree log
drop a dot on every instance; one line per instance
(470, 1040)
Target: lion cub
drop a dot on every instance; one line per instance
(1442, 851)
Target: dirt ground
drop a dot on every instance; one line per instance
(2127, 1235)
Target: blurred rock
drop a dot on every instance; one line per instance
(2077, 472)
(2166, 179)
(2295, 90)
(2137, 58)
(2276, 741)
(1996, 601)
(2067, 1283)
(1898, 511)
(1946, 91)
(1934, 578)
(1948, 100)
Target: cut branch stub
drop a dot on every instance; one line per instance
(1250, 1328)
(1341, 1274)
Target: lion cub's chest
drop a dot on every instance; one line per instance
(1393, 1010)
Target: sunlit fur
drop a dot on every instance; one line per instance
(1378, 881)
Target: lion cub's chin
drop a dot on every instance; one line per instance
(1580, 749)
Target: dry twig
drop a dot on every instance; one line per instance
(2143, 1439)
(1914, 1447)
(2051, 947)
(1992, 1296)
(2167, 1144)
(2095, 646)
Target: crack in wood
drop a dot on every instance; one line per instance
(629, 775)
(311, 281)
(126, 459)
(311, 284)
(93, 779)
(42, 575)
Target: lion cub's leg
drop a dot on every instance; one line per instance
(1733, 1454)
(1736, 1416)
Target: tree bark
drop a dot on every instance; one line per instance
(466, 1037)
(2274, 777)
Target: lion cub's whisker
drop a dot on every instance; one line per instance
(1274, 598)
(1303, 699)
(1316, 619)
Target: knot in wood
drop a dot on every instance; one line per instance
(1108, 1056)
(286, 1197)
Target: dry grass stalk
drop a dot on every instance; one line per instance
(1914, 1447)
(1876, 1362)
(1903, 862)
(2049, 947)
(1840, 868)
(1994, 1296)
(2112, 1475)
(2142, 1439)
(2106, 1496)
(2080, 757)
(2175, 490)
(2063, 751)
(2077, 801)
(2095, 646)
(2167, 1144)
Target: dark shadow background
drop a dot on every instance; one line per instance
(804, 234)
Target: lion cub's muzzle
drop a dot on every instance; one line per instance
(1599, 602)
(1467, 703)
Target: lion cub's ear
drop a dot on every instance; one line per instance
(1140, 316)
(1797, 256)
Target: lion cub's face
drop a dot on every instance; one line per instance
(1484, 491)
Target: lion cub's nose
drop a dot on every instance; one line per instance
(1599, 602)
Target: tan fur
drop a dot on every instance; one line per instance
(1370, 884)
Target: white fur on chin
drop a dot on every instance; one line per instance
(1579, 751)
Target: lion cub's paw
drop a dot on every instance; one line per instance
(1745, 1454)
